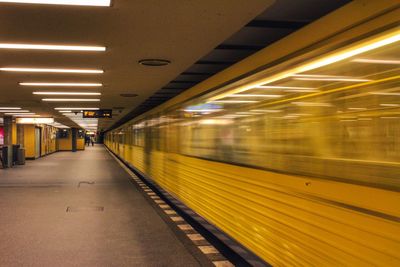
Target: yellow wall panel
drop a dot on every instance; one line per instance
(80, 144)
(29, 141)
(14, 133)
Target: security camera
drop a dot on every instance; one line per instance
(76, 112)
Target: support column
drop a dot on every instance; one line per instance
(74, 133)
(20, 135)
(8, 127)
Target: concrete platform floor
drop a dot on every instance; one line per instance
(109, 222)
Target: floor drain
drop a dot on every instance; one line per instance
(85, 208)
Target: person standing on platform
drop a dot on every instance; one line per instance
(87, 140)
(92, 140)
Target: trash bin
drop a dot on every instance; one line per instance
(15, 153)
(21, 156)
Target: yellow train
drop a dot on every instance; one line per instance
(299, 160)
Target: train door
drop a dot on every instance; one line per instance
(38, 142)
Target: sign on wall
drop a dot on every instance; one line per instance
(101, 113)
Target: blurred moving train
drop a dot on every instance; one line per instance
(298, 161)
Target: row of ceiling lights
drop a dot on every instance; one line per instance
(104, 3)
(17, 111)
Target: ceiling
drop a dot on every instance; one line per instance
(200, 38)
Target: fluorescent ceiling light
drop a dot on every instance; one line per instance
(9, 108)
(352, 50)
(63, 84)
(233, 101)
(62, 2)
(284, 87)
(267, 110)
(17, 113)
(292, 89)
(73, 108)
(232, 116)
(311, 77)
(14, 110)
(53, 70)
(390, 117)
(357, 108)
(202, 110)
(64, 93)
(250, 95)
(248, 113)
(26, 116)
(52, 47)
(391, 94)
(70, 100)
(65, 111)
(390, 105)
(35, 120)
(311, 104)
(376, 61)
(302, 91)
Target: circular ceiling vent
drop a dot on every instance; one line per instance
(128, 95)
(154, 62)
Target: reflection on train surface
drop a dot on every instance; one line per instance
(300, 165)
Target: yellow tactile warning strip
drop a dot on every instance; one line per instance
(202, 244)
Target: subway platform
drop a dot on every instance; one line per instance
(82, 209)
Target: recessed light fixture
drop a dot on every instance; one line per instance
(73, 108)
(53, 70)
(63, 84)
(154, 62)
(52, 47)
(64, 93)
(9, 108)
(71, 99)
(62, 2)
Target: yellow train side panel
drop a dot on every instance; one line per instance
(286, 220)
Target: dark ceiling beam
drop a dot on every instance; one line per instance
(196, 73)
(279, 24)
(170, 91)
(191, 82)
(240, 47)
(209, 62)
(172, 88)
